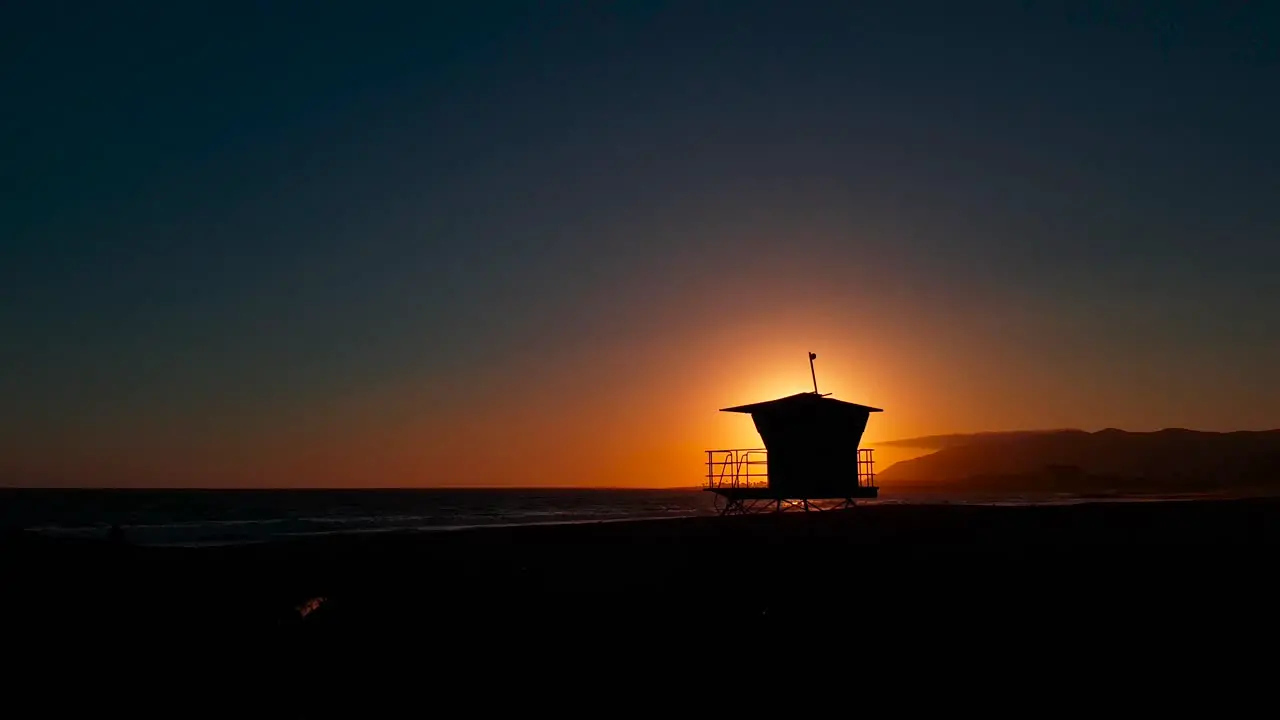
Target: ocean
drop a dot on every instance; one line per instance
(205, 517)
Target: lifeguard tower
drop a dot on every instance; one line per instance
(810, 459)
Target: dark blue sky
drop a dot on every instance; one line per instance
(218, 217)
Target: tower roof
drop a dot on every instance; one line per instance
(797, 401)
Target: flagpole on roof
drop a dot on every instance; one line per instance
(812, 372)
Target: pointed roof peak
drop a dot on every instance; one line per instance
(806, 398)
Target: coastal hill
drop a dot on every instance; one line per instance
(1171, 460)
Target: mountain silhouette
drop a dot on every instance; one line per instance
(1171, 460)
(939, 442)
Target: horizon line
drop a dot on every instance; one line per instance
(322, 488)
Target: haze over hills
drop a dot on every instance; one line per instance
(1170, 460)
(938, 442)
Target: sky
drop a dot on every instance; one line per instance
(542, 243)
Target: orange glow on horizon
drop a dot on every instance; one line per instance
(633, 410)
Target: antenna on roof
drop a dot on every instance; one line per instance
(812, 357)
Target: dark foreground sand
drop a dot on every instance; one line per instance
(1171, 567)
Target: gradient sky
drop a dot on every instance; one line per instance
(542, 242)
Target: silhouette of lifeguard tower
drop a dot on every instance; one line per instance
(810, 459)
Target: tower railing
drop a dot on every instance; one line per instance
(738, 468)
(866, 468)
(749, 468)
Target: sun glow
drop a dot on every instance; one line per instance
(780, 373)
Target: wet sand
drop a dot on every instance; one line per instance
(876, 569)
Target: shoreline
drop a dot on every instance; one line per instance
(1096, 562)
(99, 531)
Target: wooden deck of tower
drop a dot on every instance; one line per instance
(811, 459)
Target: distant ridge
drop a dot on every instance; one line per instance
(1169, 460)
(938, 442)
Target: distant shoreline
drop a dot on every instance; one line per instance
(287, 521)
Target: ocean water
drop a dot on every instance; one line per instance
(203, 517)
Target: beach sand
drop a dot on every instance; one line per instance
(873, 569)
